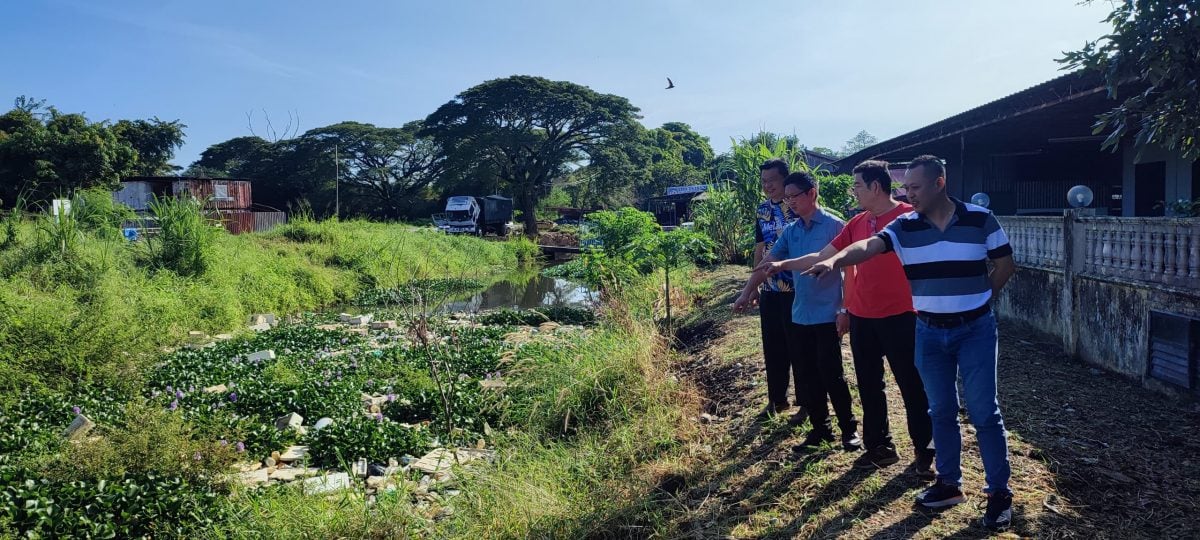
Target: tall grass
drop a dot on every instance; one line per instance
(185, 236)
(105, 313)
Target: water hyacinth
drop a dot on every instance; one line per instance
(241, 446)
(233, 397)
(198, 457)
(76, 409)
(174, 405)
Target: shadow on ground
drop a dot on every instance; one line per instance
(1093, 455)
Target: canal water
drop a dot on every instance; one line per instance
(528, 293)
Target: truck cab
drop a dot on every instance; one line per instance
(476, 215)
(461, 215)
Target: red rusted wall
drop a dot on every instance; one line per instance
(236, 192)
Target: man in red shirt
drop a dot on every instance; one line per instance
(882, 323)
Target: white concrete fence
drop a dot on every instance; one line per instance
(1160, 251)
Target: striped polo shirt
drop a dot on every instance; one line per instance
(948, 270)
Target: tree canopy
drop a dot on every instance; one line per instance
(1156, 45)
(531, 130)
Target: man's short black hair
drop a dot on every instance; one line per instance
(803, 180)
(933, 166)
(874, 172)
(779, 165)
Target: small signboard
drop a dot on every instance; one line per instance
(680, 190)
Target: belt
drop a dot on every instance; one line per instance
(952, 320)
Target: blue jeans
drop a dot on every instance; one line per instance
(942, 354)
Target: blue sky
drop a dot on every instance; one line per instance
(820, 69)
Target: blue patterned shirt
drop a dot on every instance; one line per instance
(769, 223)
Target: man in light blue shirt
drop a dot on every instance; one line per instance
(818, 320)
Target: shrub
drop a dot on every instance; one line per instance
(720, 217)
(184, 241)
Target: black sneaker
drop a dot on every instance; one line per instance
(813, 441)
(851, 442)
(877, 458)
(771, 410)
(940, 495)
(798, 417)
(999, 511)
(923, 466)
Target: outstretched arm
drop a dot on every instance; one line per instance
(855, 253)
(746, 298)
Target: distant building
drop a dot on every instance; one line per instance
(229, 200)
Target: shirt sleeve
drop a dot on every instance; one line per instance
(780, 250)
(997, 240)
(890, 236)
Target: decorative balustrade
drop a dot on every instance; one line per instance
(1162, 251)
(1155, 250)
(1036, 241)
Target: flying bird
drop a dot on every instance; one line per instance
(670, 84)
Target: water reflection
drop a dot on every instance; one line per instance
(525, 292)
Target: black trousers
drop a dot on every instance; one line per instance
(895, 338)
(774, 317)
(817, 357)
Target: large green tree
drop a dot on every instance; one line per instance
(386, 166)
(1154, 44)
(283, 175)
(45, 153)
(531, 130)
(155, 142)
(696, 149)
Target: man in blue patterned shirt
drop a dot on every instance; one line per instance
(775, 296)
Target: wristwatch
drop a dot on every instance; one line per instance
(842, 311)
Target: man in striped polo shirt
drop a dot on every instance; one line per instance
(944, 245)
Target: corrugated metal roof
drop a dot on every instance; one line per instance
(1078, 83)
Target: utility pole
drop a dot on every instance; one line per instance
(337, 191)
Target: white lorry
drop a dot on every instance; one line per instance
(466, 214)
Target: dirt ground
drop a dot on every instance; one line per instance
(1093, 455)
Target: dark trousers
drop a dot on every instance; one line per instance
(775, 316)
(817, 358)
(895, 338)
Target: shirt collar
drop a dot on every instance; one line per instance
(817, 217)
(960, 210)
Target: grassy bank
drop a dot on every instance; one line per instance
(585, 435)
(97, 311)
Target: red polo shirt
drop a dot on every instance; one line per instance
(877, 288)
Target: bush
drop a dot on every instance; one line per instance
(526, 250)
(96, 211)
(720, 217)
(184, 242)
